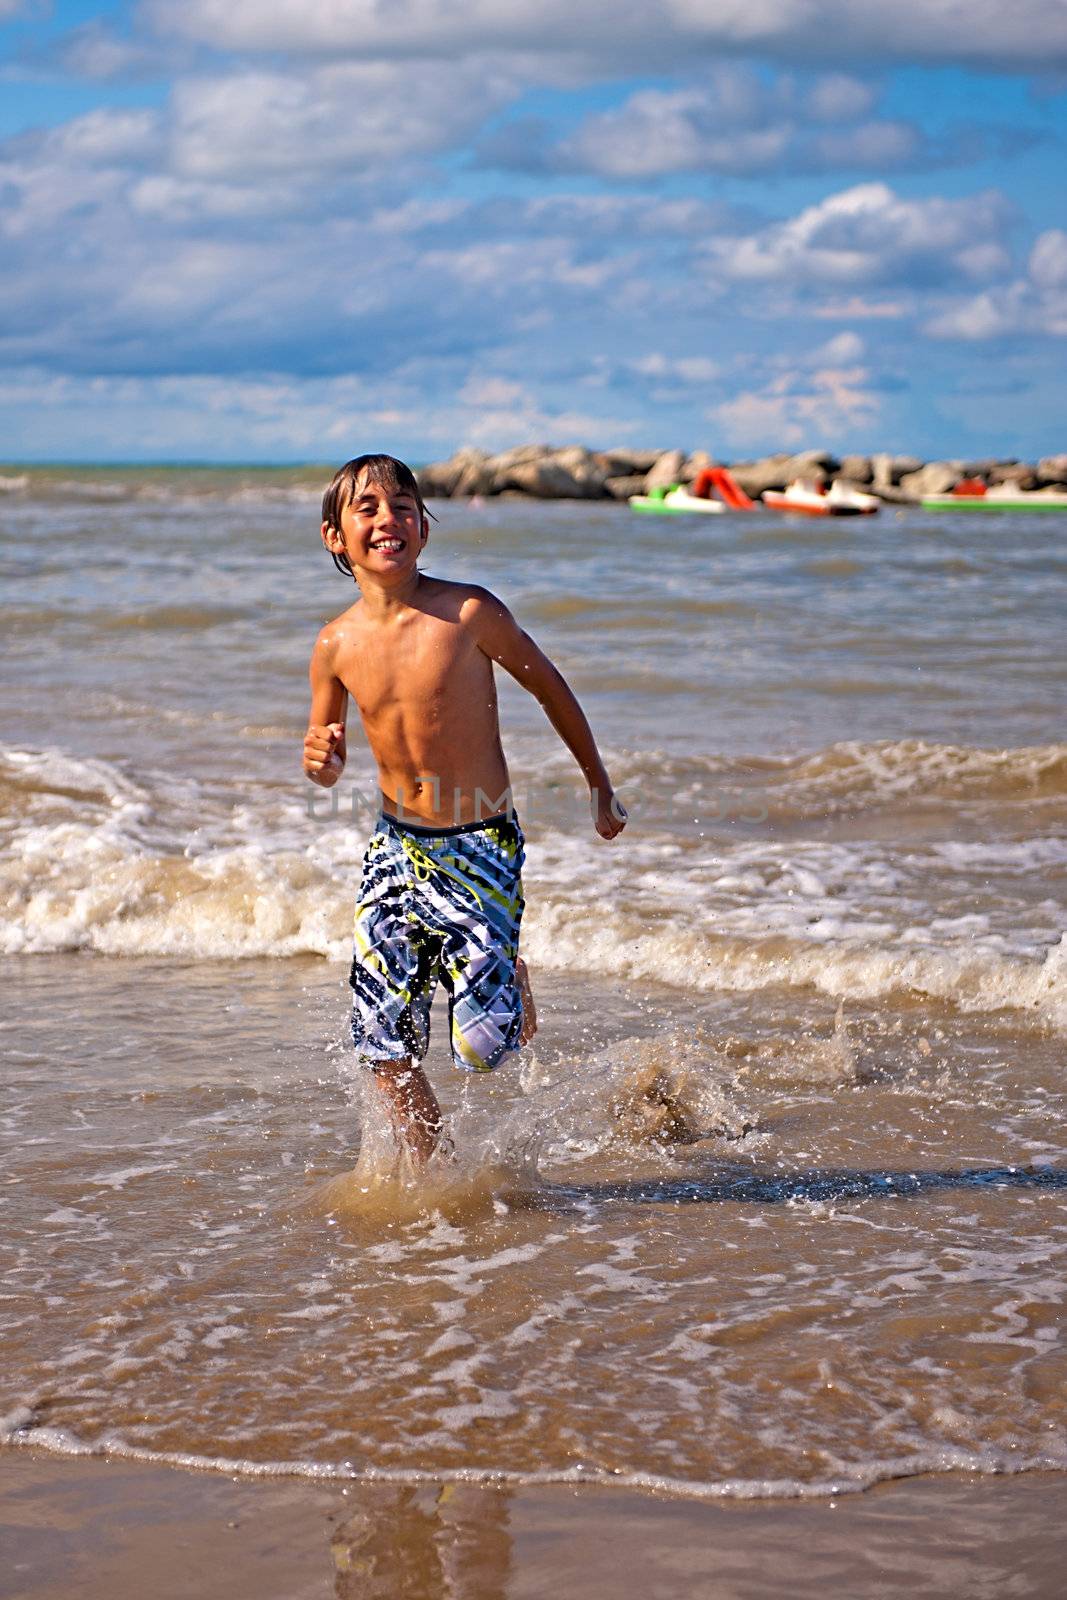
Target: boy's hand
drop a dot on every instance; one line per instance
(323, 753)
(609, 813)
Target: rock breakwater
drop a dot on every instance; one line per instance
(573, 472)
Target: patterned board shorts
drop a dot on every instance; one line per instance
(438, 903)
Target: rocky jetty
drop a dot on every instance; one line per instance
(571, 472)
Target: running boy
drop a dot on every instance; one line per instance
(441, 892)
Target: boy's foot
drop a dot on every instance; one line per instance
(529, 1011)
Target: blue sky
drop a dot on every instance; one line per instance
(296, 231)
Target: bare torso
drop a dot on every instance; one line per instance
(426, 697)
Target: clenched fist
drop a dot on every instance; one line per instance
(609, 813)
(324, 753)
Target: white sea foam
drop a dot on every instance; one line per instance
(17, 1429)
(95, 859)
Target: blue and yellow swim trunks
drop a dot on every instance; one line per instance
(438, 904)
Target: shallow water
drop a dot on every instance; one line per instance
(774, 1206)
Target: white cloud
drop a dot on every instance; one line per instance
(626, 215)
(882, 145)
(96, 52)
(279, 415)
(1031, 35)
(842, 349)
(502, 267)
(828, 392)
(734, 121)
(243, 144)
(1048, 260)
(74, 169)
(837, 97)
(676, 130)
(856, 308)
(883, 30)
(496, 413)
(350, 116)
(870, 235)
(1035, 304)
(685, 369)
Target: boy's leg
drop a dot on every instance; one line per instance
(412, 1104)
(529, 1011)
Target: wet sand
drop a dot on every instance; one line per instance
(112, 1529)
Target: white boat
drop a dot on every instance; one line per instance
(663, 502)
(811, 501)
(1003, 497)
(843, 494)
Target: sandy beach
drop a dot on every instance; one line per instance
(99, 1529)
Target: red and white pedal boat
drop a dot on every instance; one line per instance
(811, 501)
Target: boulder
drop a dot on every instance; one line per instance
(568, 474)
(696, 464)
(857, 469)
(435, 480)
(586, 469)
(1017, 472)
(666, 470)
(1052, 469)
(813, 464)
(893, 496)
(623, 487)
(622, 462)
(887, 470)
(774, 472)
(546, 479)
(769, 472)
(980, 469)
(505, 459)
(937, 477)
(465, 473)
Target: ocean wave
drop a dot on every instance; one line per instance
(850, 1478)
(854, 772)
(71, 888)
(846, 778)
(95, 859)
(565, 939)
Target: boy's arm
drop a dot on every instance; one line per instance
(501, 638)
(325, 748)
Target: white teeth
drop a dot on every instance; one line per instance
(389, 544)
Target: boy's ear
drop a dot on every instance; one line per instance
(425, 531)
(330, 537)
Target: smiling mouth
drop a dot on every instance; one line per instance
(388, 544)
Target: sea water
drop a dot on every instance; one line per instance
(775, 1203)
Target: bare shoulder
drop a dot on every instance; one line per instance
(450, 595)
(336, 633)
(489, 623)
(469, 604)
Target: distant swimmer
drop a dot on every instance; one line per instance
(441, 892)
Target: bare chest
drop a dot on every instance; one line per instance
(426, 666)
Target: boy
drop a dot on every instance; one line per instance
(441, 892)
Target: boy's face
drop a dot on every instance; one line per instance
(382, 532)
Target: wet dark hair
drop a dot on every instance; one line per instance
(386, 471)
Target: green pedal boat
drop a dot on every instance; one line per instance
(674, 501)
